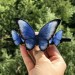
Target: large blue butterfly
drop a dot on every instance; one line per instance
(29, 37)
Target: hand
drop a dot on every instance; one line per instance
(49, 62)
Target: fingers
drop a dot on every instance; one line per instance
(53, 51)
(27, 60)
(39, 55)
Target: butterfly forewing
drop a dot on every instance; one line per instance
(26, 29)
(48, 30)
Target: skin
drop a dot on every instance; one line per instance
(49, 62)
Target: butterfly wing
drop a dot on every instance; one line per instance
(57, 38)
(43, 44)
(30, 43)
(27, 33)
(47, 32)
(26, 29)
(16, 38)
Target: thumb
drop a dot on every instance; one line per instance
(39, 55)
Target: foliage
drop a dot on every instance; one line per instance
(37, 13)
(67, 50)
(12, 65)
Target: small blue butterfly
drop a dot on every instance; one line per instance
(16, 37)
(56, 38)
(29, 37)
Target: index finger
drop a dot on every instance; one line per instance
(52, 51)
(27, 60)
(56, 58)
(54, 54)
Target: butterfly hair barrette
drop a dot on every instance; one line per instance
(45, 36)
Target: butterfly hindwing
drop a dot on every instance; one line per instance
(26, 29)
(43, 44)
(30, 43)
(27, 33)
(47, 32)
(16, 38)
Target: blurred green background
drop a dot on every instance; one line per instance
(37, 13)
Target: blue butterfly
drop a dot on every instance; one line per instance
(30, 39)
(56, 38)
(16, 37)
